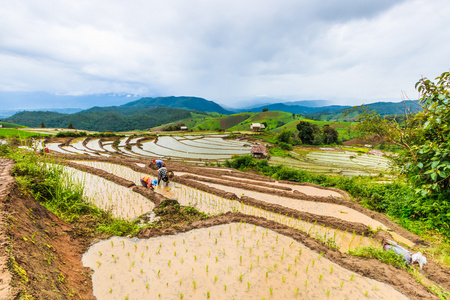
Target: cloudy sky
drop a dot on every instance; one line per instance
(347, 51)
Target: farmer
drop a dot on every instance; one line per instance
(159, 163)
(146, 181)
(407, 256)
(163, 175)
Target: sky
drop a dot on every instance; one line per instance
(232, 52)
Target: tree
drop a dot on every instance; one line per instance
(306, 131)
(424, 138)
(330, 135)
(70, 126)
(42, 125)
(265, 109)
(284, 137)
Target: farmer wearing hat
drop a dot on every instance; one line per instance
(146, 181)
(159, 163)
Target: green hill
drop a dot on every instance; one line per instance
(273, 119)
(190, 103)
(102, 121)
(345, 129)
(10, 125)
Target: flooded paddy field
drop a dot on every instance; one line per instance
(122, 202)
(197, 149)
(346, 163)
(213, 204)
(223, 262)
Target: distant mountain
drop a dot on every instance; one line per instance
(310, 103)
(297, 109)
(9, 113)
(102, 120)
(192, 103)
(381, 108)
(395, 108)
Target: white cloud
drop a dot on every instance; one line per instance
(348, 51)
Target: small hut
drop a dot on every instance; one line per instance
(257, 126)
(259, 151)
(184, 128)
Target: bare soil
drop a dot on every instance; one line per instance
(47, 252)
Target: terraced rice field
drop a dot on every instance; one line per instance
(263, 239)
(236, 260)
(232, 261)
(198, 149)
(346, 163)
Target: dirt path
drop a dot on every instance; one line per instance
(6, 182)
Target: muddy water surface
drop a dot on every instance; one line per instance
(239, 261)
(319, 208)
(120, 201)
(213, 204)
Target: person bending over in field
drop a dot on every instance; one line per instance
(159, 163)
(163, 175)
(146, 181)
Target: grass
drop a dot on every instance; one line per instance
(277, 151)
(47, 185)
(10, 125)
(387, 257)
(357, 149)
(19, 134)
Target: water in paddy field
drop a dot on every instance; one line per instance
(213, 204)
(237, 260)
(122, 202)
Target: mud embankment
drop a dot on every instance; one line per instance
(7, 292)
(45, 252)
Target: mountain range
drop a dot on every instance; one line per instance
(151, 112)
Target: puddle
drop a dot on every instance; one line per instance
(232, 261)
(122, 202)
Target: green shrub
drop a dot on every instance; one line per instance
(285, 146)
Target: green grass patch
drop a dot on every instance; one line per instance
(387, 257)
(277, 151)
(18, 134)
(357, 149)
(10, 125)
